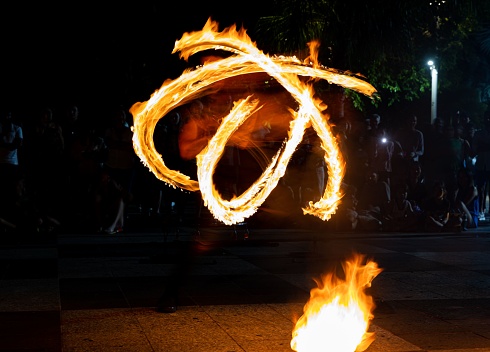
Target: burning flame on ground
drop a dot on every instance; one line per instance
(338, 314)
(246, 59)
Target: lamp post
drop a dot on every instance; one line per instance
(433, 100)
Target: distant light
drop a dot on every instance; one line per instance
(430, 63)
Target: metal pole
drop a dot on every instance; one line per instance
(433, 105)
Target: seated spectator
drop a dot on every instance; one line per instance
(437, 209)
(374, 196)
(25, 216)
(399, 215)
(467, 199)
(457, 217)
(348, 218)
(6, 226)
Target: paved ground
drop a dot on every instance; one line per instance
(92, 292)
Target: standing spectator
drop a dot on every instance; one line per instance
(457, 151)
(481, 145)
(71, 125)
(411, 139)
(46, 152)
(433, 158)
(411, 142)
(358, 157)
(462, 118)
(74, 137)
(380, 149)
(109, 204)
(469, 131)
(417, 190)
(120, 165)
(11, 139)
(306, 175)
(464, 147)
(313, 185)
(352, 146)
(166, 137)
(341, 128)
(86, 155)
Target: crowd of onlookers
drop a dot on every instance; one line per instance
(405, 178)
(63, 171)
(411, 179)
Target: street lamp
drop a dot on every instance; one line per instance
(433, 100)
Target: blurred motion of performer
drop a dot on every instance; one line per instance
(197, 127)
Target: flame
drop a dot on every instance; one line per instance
(338, 314)
(246, 59)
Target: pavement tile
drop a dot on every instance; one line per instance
(30, 331)
(102, 330)
(29, 295)
(243, 296)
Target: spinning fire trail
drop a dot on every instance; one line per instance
(245, 59)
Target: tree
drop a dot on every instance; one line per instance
(389, 42)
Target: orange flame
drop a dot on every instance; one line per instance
(246, 59)
(338, 314)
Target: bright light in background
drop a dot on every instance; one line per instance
(433, 99)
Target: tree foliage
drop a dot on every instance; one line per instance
(389, 42)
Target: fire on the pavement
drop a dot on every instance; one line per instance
(339, 312)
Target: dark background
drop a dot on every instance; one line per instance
(99, 55)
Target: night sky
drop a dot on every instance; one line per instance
(80, 53)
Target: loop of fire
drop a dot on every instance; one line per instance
(227, 120)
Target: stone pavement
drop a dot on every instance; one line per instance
(93, 292)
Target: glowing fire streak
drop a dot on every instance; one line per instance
(338, 314)
(193, 84)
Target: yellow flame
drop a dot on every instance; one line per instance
(246, 59)
(338, 314)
